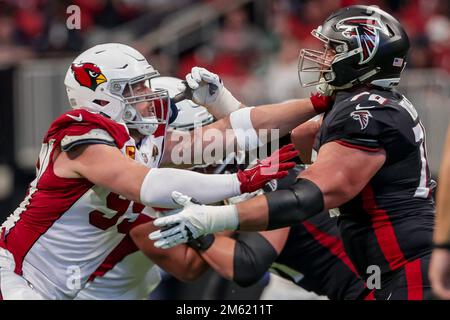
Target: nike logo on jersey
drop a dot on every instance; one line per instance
(363, 116)
(79, 118)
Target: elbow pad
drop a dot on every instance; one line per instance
(299, 202)
(253, 255)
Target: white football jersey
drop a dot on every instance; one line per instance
(65, 228)
(126, 273)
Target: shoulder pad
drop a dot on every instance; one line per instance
(95, 136)
(80, 122)
(370, 121)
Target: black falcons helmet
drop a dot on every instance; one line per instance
(370, 47)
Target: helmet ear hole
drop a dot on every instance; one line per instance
(129, 114)
(101, 103)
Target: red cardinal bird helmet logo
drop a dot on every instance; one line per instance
(88, 75)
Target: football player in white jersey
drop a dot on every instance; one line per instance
(128, 273)
(87, 177)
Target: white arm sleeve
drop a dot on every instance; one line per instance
(158, 184)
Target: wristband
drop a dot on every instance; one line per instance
(297, 203)
(202, 243)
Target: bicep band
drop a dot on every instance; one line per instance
(299, 202)
(253, 255)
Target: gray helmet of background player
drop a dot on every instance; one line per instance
(370, 47)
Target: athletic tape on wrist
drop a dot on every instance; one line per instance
(226, 103)
(246, 136)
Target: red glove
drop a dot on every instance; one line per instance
(321, 103)
(273, 167)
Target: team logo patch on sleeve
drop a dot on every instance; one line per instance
(363, 116)
(131, 152)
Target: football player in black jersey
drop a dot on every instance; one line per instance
(371, 163)
(310, 254)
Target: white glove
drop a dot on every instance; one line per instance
(209, 91)
(193, 221)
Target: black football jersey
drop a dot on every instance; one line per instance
(390, 222)
(314, 257)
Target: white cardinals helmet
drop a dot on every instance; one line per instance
(102, 80)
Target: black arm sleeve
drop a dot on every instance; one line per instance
(299, 202)
(253, 256)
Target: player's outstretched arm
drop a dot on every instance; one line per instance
(106, 166)
(238, 125)
(337, 176)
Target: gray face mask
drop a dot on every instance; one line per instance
(158, 107)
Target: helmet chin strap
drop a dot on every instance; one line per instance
(327, 89)
(144, 127)
(134, 120)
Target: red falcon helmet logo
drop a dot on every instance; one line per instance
(366, 30)
(88, 75)
(362, 116)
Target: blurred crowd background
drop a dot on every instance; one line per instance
(252, 45)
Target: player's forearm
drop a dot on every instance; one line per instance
(247, 128)
(192, 265)
(182, 262)
(220, 256)
(253, 214)
(252, 127)
(303, 138)
(442, 229)
(158, 185)
(284, 116)
(203, 145)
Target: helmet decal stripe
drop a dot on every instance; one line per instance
(366, 30)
